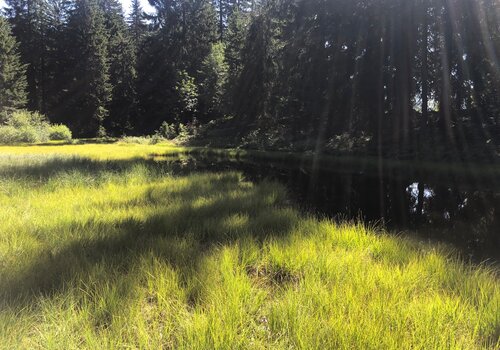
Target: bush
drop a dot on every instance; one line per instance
(32, 134)
(30, 127)
(167, 131)
(184, 131)
(140, 140)
(60, 132)
(156, 138)
(22, 118)
(9, 134)
(143, 140)
(24, 134)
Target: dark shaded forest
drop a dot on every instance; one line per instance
(410, 79)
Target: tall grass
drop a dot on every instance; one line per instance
(111, 249)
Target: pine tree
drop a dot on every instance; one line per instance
(136, 22)
(89, 92)
(12, 72)
(176, 50)
(198, 33)
(225, 9)
(59, 63)
(122, 71)
(254, 84)
(29, 25)
(222, 8)
(235, 42)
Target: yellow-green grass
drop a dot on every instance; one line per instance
(97, 151)
(102, 247)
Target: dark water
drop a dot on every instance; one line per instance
(438, 205)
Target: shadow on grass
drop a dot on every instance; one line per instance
(94, 141)
(43, 169)
(67, 142)
(178, 227)
(471, 228)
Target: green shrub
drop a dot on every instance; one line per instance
(22, 118)
(140, 140)
(143, 140)
(184, 131)
(9, 134)
(179, 131)
(24, 134)
(156, 138)
(32, 134)
(167, 131)
(60, 132)
(30, 127)
(101, 132)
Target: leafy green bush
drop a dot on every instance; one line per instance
(184, 131)
(24, 134)
(188, 92)
(143, 140)
(30, 127)
(167, 131)
(33, 134)
(140, 140)
(9, 134)
(60, 132)
(22, 118)
(156, 138)
(178, 131)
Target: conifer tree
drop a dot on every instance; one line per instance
(122, 72)
(176, 50)
(235, 42)
(59, 64)
(89, 92)
(29, 25)
(258, 69)
(12, 71)
(225, 9)
(136, 22)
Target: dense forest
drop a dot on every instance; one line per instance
(399, 78)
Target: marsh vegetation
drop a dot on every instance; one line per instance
(106, 246)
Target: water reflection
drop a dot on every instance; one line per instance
(458, 209)
(414, 192)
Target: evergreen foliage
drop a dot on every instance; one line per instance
(410, 76)
(12, 72)
(136, 22)
(213, 78)
(29, 20)
(122, 69)
(89, 91)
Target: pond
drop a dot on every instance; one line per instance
(452, 206)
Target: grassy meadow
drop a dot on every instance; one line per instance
(104, 247)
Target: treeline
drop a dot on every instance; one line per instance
(400, 77)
